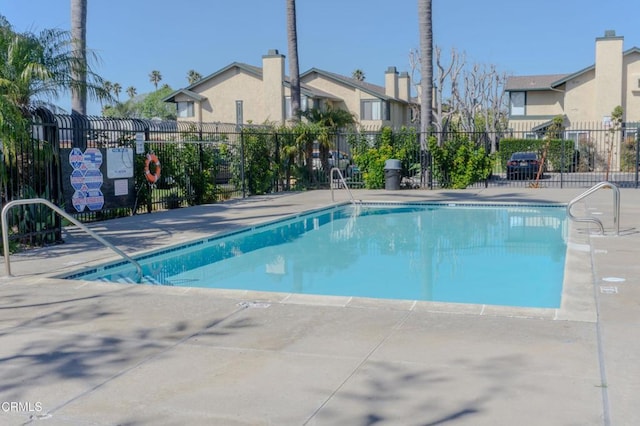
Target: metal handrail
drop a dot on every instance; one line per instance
(344, 182)
(5, 232)
(616, 206)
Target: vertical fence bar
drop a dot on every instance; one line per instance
(637, 153)
(562, 162)
(244, 185)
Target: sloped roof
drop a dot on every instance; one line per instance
(188, 93)
(532, 82)
(249, 69)
(307, 90)
(372, 89)
(550, 81)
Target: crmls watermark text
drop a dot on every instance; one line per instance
(20, 407)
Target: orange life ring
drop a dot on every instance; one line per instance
(152, 177)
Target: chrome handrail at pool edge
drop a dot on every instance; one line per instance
(616, 206)
(344, 182)
(5, 232)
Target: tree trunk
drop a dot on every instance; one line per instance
(426, 69)
(79, 69)
(294, 69)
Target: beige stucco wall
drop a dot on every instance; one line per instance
(391, 82)
(547, 103)
(399, 112)
(608, 88)
(521, 124)
(631, 89)
(338, 90)
(579, 100)
(404, 86)
(224, 90)
(273, 90)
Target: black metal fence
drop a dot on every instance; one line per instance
(99, 168)
(584, 154)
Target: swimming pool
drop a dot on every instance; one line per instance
(507, 254)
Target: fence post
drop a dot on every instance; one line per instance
(637, 152)
(244, 187)
(277, 161)
(563, 162)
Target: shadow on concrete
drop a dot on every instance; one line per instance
(392, 388)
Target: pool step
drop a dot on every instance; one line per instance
(146, 279)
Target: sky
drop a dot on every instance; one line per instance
(134, 37)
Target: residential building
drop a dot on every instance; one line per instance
(245, 94)
(586, 96)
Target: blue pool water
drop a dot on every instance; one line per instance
(482, 254)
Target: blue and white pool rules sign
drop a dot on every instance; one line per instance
(86, 179)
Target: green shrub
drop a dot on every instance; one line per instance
(459, 163)
(371, 163)
(628, 157)
(259, 171)
(371, 156)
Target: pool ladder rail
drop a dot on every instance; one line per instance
(616, 206)
(342, 180)
(5, 232)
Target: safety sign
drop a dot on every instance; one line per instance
(86, 179)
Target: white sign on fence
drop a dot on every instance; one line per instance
(119, 163)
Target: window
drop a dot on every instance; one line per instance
(517, 102)
(578, 137)
(374, 110)
(304, 103)
(185, 109)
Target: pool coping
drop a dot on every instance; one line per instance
(577, 300)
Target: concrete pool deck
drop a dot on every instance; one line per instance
(78, 353)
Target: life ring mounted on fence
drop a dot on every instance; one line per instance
(152, 177)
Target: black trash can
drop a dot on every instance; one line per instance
(392, 174)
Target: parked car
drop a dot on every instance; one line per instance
(523, 165)
(337, 159)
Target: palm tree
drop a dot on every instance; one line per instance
(155, 77)
(131, 91)
(426, 69)
(326, 124)
(193, 76)
(120, 110)
(79, 52)
(116, 90)
(14, 124)
(358, 74)
(107, 86)
(294, 68)
(37, 68)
